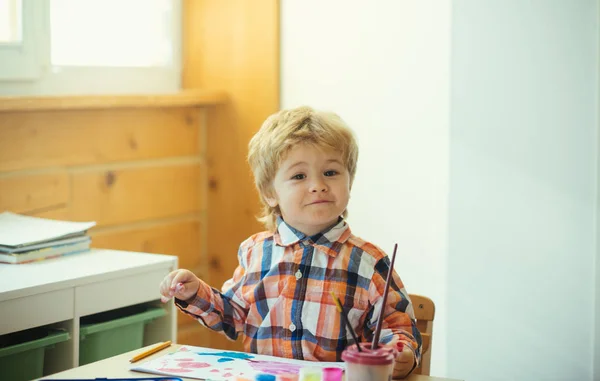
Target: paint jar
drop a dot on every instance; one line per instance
(310, 374)
(333, 374)
(240, 378)
(370, 364)
(265, 377)
(287, 377)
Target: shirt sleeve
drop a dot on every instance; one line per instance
(223, 311)
(399, 323)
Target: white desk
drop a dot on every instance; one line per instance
(60, 291)
(118, 366)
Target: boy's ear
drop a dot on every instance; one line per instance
(271, 201)
(270, 197)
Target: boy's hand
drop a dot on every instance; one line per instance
(181, 284)
(405, 361)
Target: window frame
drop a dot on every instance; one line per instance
(34, 75)
(24, 61)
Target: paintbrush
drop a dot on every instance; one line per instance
(375, 343)
(338, 303)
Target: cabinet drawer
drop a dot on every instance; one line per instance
(120, 292)
(36, 310)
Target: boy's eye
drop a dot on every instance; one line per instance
(331, 173)
(299, 176)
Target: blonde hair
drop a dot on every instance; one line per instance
(282, 131)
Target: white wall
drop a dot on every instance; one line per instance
(523, 143)
(596, 373)
(477, 122)
(384, 67)
(597, 288)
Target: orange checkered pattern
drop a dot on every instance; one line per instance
(279, 296)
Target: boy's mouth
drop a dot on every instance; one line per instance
(319, 202)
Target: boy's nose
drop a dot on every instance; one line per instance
(318, 187)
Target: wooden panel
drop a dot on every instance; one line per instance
(56, 138)
(233, 46)
(175, 238)
(192, 334)
(56, 214)
(232, 200)
(218, 340)
(185, 321)
(196, 97)
(34, 194)
(135, 194)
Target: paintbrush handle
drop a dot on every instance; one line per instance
(338, 304)
(350, 329)
(375, 343)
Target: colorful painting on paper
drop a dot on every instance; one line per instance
(216, 365)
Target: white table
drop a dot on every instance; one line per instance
(59, 291)
(118, 367)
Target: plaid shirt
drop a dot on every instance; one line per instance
(279, 296)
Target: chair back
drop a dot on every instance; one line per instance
(424, 313)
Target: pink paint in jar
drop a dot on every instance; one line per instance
(370, 364)
(332, 374)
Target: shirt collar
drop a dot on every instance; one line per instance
(329, 240)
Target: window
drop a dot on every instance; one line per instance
(10, 22)
(89, 46)
(20, 40)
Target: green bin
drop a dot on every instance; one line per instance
(114, 332)
(22, 353)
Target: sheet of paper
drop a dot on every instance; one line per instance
(57, 242)
(217, 365)
(18, 230)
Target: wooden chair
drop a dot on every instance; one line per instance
(424, 313)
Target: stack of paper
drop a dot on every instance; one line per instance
(26, 239)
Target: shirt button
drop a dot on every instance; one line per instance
(298, 274)
(292, 327)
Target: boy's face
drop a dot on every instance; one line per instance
(312, 188)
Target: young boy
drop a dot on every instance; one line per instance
(304, 162)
